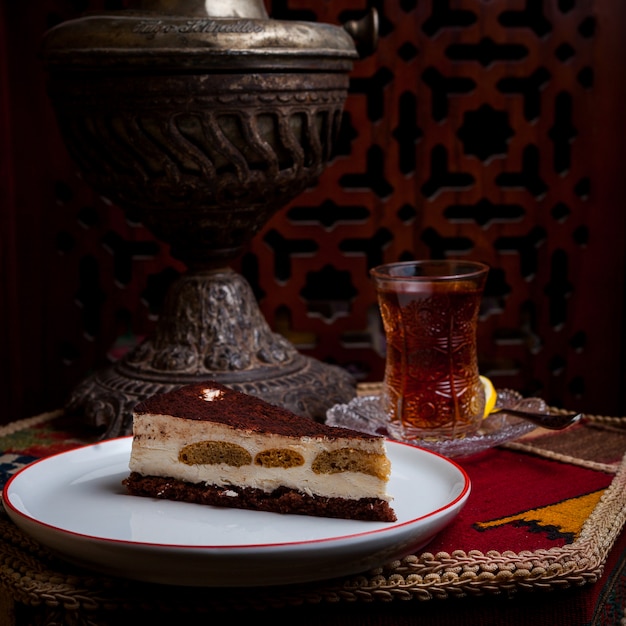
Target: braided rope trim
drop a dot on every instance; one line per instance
(36, 577)
(28, 422)
(558, 456)
(617, 423)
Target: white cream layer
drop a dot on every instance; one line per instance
(159, 438)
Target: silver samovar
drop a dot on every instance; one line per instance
(201, 119)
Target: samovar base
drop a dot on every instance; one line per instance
(106, 399)
(210, 329)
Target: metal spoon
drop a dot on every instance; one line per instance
(551, 421)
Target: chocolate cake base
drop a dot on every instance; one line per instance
(282, 500)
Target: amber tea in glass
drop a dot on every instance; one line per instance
(429, 311)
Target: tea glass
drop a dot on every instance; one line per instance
(429, 309)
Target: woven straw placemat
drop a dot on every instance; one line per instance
(34, 576)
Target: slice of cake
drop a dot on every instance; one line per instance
(209, 444)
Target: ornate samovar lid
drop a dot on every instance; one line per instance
(198, 34)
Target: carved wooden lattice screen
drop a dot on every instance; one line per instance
(470, 133)
(486, 130)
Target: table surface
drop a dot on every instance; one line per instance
(540, 539)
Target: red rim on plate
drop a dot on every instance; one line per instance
(73, 502)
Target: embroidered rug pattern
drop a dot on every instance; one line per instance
(538, 517)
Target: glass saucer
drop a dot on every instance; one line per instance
(365, 414)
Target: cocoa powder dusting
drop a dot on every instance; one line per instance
(240, 411)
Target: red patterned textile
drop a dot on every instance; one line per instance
(535, 497)
(522, 502)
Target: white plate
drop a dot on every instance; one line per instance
(74, 503)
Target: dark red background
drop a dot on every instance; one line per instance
(543, 204)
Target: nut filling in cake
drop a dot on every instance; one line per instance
(209, 444)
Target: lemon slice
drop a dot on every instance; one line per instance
(491, 395)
